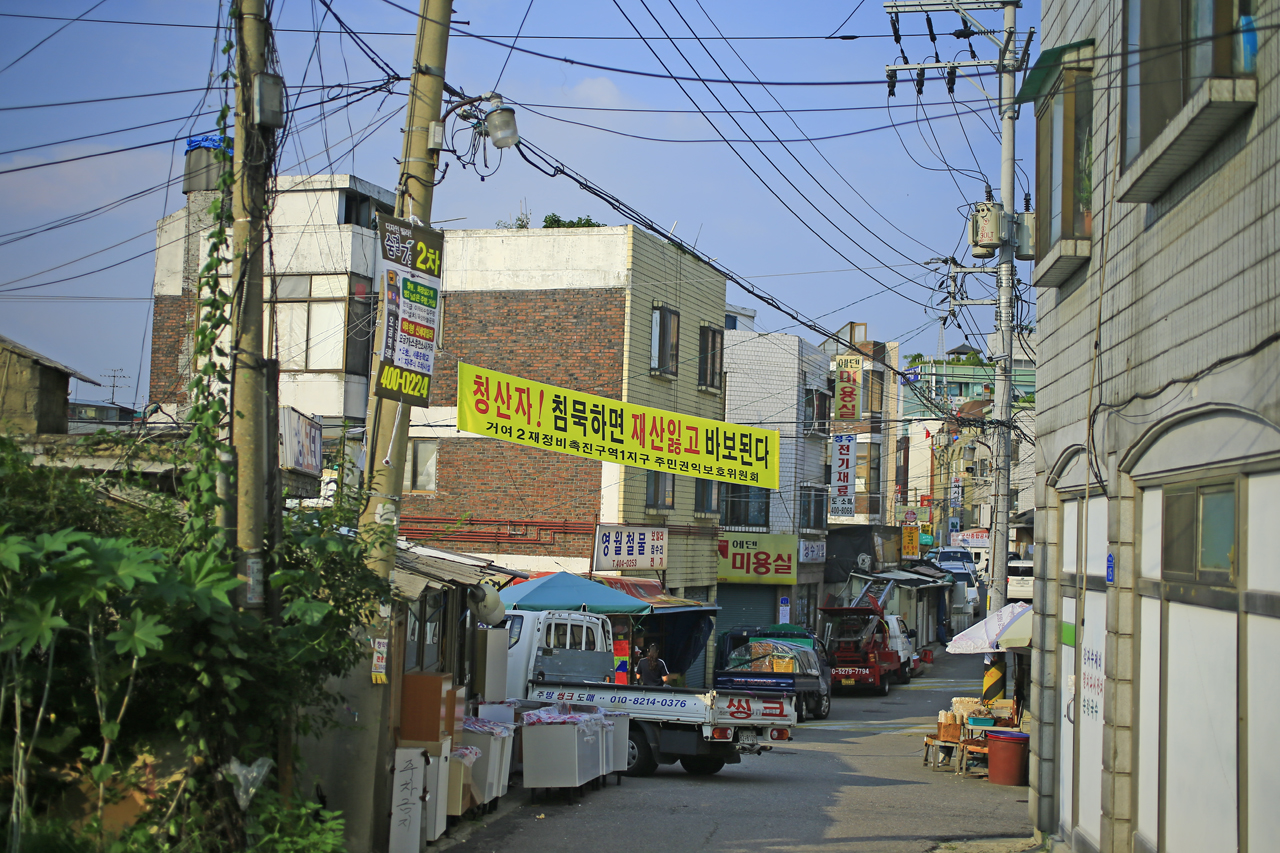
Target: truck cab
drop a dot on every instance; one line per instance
(559, 646)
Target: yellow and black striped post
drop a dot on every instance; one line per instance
(993, 679)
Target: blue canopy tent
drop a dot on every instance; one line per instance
(565, 591)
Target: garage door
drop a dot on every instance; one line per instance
(745, 605)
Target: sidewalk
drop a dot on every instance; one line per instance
(988, 845)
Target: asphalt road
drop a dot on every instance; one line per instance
(853, 782)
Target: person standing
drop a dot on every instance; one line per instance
(653, 670)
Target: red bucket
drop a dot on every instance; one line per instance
(1007, 756)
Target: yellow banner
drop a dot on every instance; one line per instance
(757, 558)
(848, 391)
(538, 415)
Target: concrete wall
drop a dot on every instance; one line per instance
(1183, 297)
(33, 396)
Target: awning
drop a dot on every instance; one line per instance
(1045, 70)
(652, 591)
(421, 566)
(566, 591)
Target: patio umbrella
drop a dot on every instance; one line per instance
(1007, 628)
(565, 591)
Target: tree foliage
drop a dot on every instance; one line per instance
(552, 220)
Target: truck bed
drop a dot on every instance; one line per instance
(767, 682)
(691, 706)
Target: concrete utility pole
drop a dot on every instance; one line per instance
(387, 425)
(253, 153)
(1003, 408)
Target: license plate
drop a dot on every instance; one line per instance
(849, 682)
(748, 738)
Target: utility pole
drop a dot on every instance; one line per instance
(253, 152)
(387, 425)
(115, 374)
(1006, 220)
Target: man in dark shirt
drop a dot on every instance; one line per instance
(653, 670)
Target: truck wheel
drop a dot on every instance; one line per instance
(640, 761)
(701, 765)
(883, 689)
(822, 708)
(800, 706)
(904, 674)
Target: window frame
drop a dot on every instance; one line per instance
(410, 483)
(1060, 165)
(1180, 529)
(707, 497)
(664, 341)
(659, 491)
(354, 355)
(742, 505)
(710, 358)
(812, 508)
(817, 412)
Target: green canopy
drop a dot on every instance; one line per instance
(1045, 70)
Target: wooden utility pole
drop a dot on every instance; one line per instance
(387, 424)
(254, 149)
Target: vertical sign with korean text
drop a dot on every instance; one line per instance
(756, 558)
(621, 547)
(843, 458)
(534, 414)
(910, 542)
(408, 273)
(848, 400)
(406, 800)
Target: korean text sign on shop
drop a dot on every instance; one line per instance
(756, 558)
(408, 275)
(534, 414)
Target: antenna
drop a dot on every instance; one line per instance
(115, 374)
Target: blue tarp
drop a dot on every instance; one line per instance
(214, 142)
(565, 591)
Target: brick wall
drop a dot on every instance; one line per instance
(571, 338)
(172, 321)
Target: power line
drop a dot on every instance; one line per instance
(33, 48)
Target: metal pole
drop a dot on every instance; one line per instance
(387, 427)
(993, 681)
(252, 158)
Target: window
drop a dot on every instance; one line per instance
(664, 344)
(321, 322)
(1199, 537)
(706, 496)
(867, 469)
(813, 508)
(1064, 162)
(874, 400)
(744, 506)
(1159, 81)
(817, 412)
(730, 321)
(710, 357)
(514, 625)
(660, 490)
(420, 465)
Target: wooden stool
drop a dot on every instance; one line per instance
(933, 756)
(970, 747)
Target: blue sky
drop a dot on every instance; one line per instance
(881, 196)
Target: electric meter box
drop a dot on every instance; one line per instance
(268, 100)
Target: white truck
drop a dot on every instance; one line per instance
(567, 656)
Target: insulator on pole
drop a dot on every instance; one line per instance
(920, 82)
(893, 83)
(951, 80)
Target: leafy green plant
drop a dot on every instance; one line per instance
(552, 220)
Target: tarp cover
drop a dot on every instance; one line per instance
(1007, 628)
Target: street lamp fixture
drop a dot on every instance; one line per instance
(498, 122)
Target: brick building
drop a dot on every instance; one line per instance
(1157, 597)
(610, 311)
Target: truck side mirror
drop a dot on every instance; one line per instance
(911, 633)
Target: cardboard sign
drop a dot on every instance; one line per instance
(534, 414)
(756, 558)
(407, 269)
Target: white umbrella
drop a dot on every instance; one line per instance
(1007, 628)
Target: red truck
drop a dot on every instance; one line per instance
(867, 647)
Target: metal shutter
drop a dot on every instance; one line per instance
(745, 605)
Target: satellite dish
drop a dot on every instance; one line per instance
(864, 561)
(484, 603)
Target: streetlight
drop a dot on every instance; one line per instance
(498, 122)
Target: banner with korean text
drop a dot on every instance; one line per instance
(910, 542)
(531, 413)
(756, 558)
(848, 388)
(843, 459)
(407, 268)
